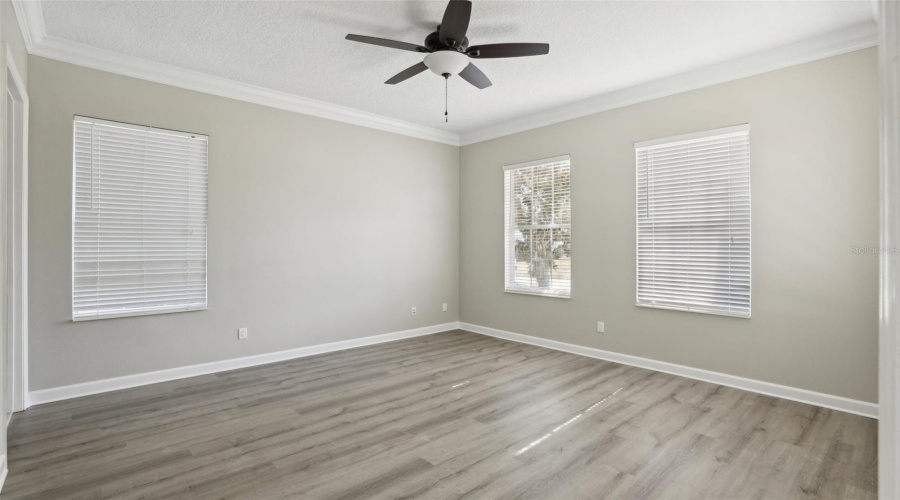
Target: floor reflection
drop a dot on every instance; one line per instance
(567, 422)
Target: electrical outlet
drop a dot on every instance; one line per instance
(242, 333)
(601, 328)
(413, 311)
(444, 307)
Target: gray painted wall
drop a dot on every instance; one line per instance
(319, 231)
(814, 175)
(307, 248)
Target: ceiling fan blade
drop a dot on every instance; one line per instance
(473, 75)
(383, 42)
(494, 50)
(455, 22)
(407, 73)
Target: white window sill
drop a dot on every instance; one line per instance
(699, 311)
(130, 314)
(538, 293)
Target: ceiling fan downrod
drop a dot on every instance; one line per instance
(446, 94)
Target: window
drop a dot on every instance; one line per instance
(693, 222)
(138, 220)
(538, 227)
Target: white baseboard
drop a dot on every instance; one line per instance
(781, 391)
(4, 470)
(117, 383)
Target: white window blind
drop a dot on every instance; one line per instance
(538, 227)
(139, 220)
(693, 222)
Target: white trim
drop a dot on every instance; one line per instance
(138, 312)
(30, 18)
(4, 471)
(538, 292)
(735, 129)
(696, 310)
(780, 391)
(139, 379)
(31, 22)
(839, 42)
(889, 293)
(534, 163)
(19, 291)
(104, 60)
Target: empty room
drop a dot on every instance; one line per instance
(440, 249)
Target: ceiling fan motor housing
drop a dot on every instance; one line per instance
(446, 62)
(433, 43)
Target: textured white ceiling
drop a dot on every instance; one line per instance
(298, 47)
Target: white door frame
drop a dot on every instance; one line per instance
(17, 257)
(889, 315)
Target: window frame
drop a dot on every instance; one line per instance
(745, 128)
(508, 230)
(146, 311)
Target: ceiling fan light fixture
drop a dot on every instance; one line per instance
(446, 62)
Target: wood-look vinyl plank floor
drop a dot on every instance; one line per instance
(452, 415)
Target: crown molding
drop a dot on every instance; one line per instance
(31, 22)
(92, 57)
(839, 42)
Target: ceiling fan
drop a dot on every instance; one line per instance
(449, 51)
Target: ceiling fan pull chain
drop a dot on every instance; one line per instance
(446, 98)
